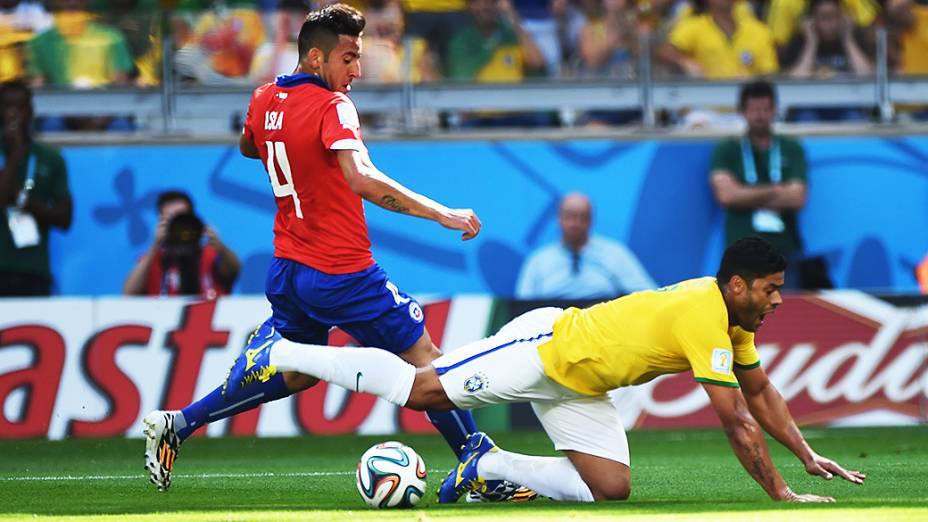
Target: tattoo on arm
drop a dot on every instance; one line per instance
(391, 203)
(760, 469)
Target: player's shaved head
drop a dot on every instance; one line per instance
(323, 27)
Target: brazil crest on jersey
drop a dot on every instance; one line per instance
(297, 124)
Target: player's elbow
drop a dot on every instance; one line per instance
(248, 152)
(741, 427)
(361, 185)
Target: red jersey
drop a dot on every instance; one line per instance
(297, 124)
(165, 280)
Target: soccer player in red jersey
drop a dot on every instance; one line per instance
(306, 132)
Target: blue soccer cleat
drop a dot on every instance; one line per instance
(464, 478)
(254, 363)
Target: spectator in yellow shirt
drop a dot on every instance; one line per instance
(713, 43)
(19, 22)
(909, 19)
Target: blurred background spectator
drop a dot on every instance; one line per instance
(19, 22)
(34, 197)
(139, 23)
(546, 21)
(909, 21)
(607, 48)
(217, 41)
(278, 54)
(784, 17)
(435, 21)
(178, 263)
(79, 51)
(384, 49)
(718, 41)
(829, 45)
(580, 266)
(493, 47)
(608, 39)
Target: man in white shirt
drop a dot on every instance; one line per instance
(581, 266)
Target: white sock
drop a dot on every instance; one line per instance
(369, 370)
(553, 477)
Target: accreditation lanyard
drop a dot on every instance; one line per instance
(764, 220)
(24, 229)
(29, 184)
(750, 169)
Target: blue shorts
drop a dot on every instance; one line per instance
(306, 303)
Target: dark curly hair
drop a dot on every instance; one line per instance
(750, 258)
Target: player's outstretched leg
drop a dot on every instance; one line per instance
(464, 477)
(165, 430)
(373, 371)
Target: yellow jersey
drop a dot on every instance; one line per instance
(433, 6)
(749, 52)
(914, 43)
(633, 339)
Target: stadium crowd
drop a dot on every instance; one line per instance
(97, 43)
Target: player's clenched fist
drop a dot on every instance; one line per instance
(463, 219)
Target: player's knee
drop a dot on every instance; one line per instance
(428, 394)
(614, 488)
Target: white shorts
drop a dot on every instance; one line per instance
(506, 368)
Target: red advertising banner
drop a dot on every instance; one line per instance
(838, 358)
(94, 367)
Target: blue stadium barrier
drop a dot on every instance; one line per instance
(867, 211)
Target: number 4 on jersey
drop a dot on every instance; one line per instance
(277, 153)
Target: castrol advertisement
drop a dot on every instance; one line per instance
(95, 367)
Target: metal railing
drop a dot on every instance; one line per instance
(172, 109)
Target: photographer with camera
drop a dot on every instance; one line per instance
(178, 263)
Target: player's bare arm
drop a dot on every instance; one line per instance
(378, 188)
(730, 193)
(788, 196)
(769, 409)
(247, 147)
(747, 441)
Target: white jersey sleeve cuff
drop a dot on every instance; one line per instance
(348, 144)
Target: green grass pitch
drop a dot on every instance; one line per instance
(677, 475)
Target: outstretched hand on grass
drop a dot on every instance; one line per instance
(827, 469)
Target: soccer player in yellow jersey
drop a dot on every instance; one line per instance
(565, 361)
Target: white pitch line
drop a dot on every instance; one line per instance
(196, 476)
(52, 478)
